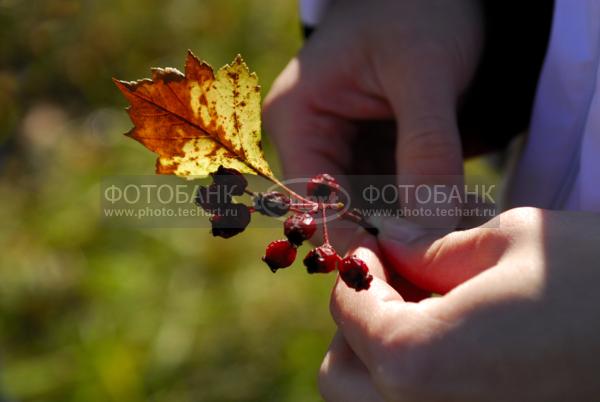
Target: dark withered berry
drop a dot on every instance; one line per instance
(212, 198)
(272, 204)
(355, 273)
(322, 259)
(231, 180)
(299, 227)
(279, 254)
(230, 221)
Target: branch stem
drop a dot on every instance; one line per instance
(353, 215)
(294, 194)
(325, 231)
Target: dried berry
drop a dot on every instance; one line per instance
(230, 221)
(322, 186)
(231, 180)
(355, 273)
(279, 254)
(212, 198)
(299, 227)
(322, 259)
(272, 204)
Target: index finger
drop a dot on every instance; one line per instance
(369, 319)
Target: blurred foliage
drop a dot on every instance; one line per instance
(90, 312)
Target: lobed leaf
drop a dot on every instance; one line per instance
(199, 120)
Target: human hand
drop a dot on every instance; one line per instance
(407, 61)
(519, 320)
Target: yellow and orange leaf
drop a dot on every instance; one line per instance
(199, 121)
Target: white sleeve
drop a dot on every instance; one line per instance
(560, 163)
(311, 11)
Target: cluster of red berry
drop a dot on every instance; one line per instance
(229, 218)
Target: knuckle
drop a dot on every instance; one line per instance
(433, 137)
(518, 219)
(483, 239)
(489, 243)
(427, 127)
(406, 377)
(324, 380)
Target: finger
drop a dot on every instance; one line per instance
(436, 261)
(367, 317)
(310, 114)
(343, 378)
(428, 140)
(428, 147)
(384, 332)
(308, 141)
(314, 133)
(407, 290)
(292, 123)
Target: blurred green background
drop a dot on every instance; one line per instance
(90, 312)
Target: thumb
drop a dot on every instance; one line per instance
(436, 261)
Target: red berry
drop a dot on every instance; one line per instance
(231, 180)
(322, 259)
(322, 186)
(299, 227)
(212, 198)
(355, 273)
(230, 221)
(272, 204)
(279, 254)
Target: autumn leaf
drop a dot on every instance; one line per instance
(199, 121)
